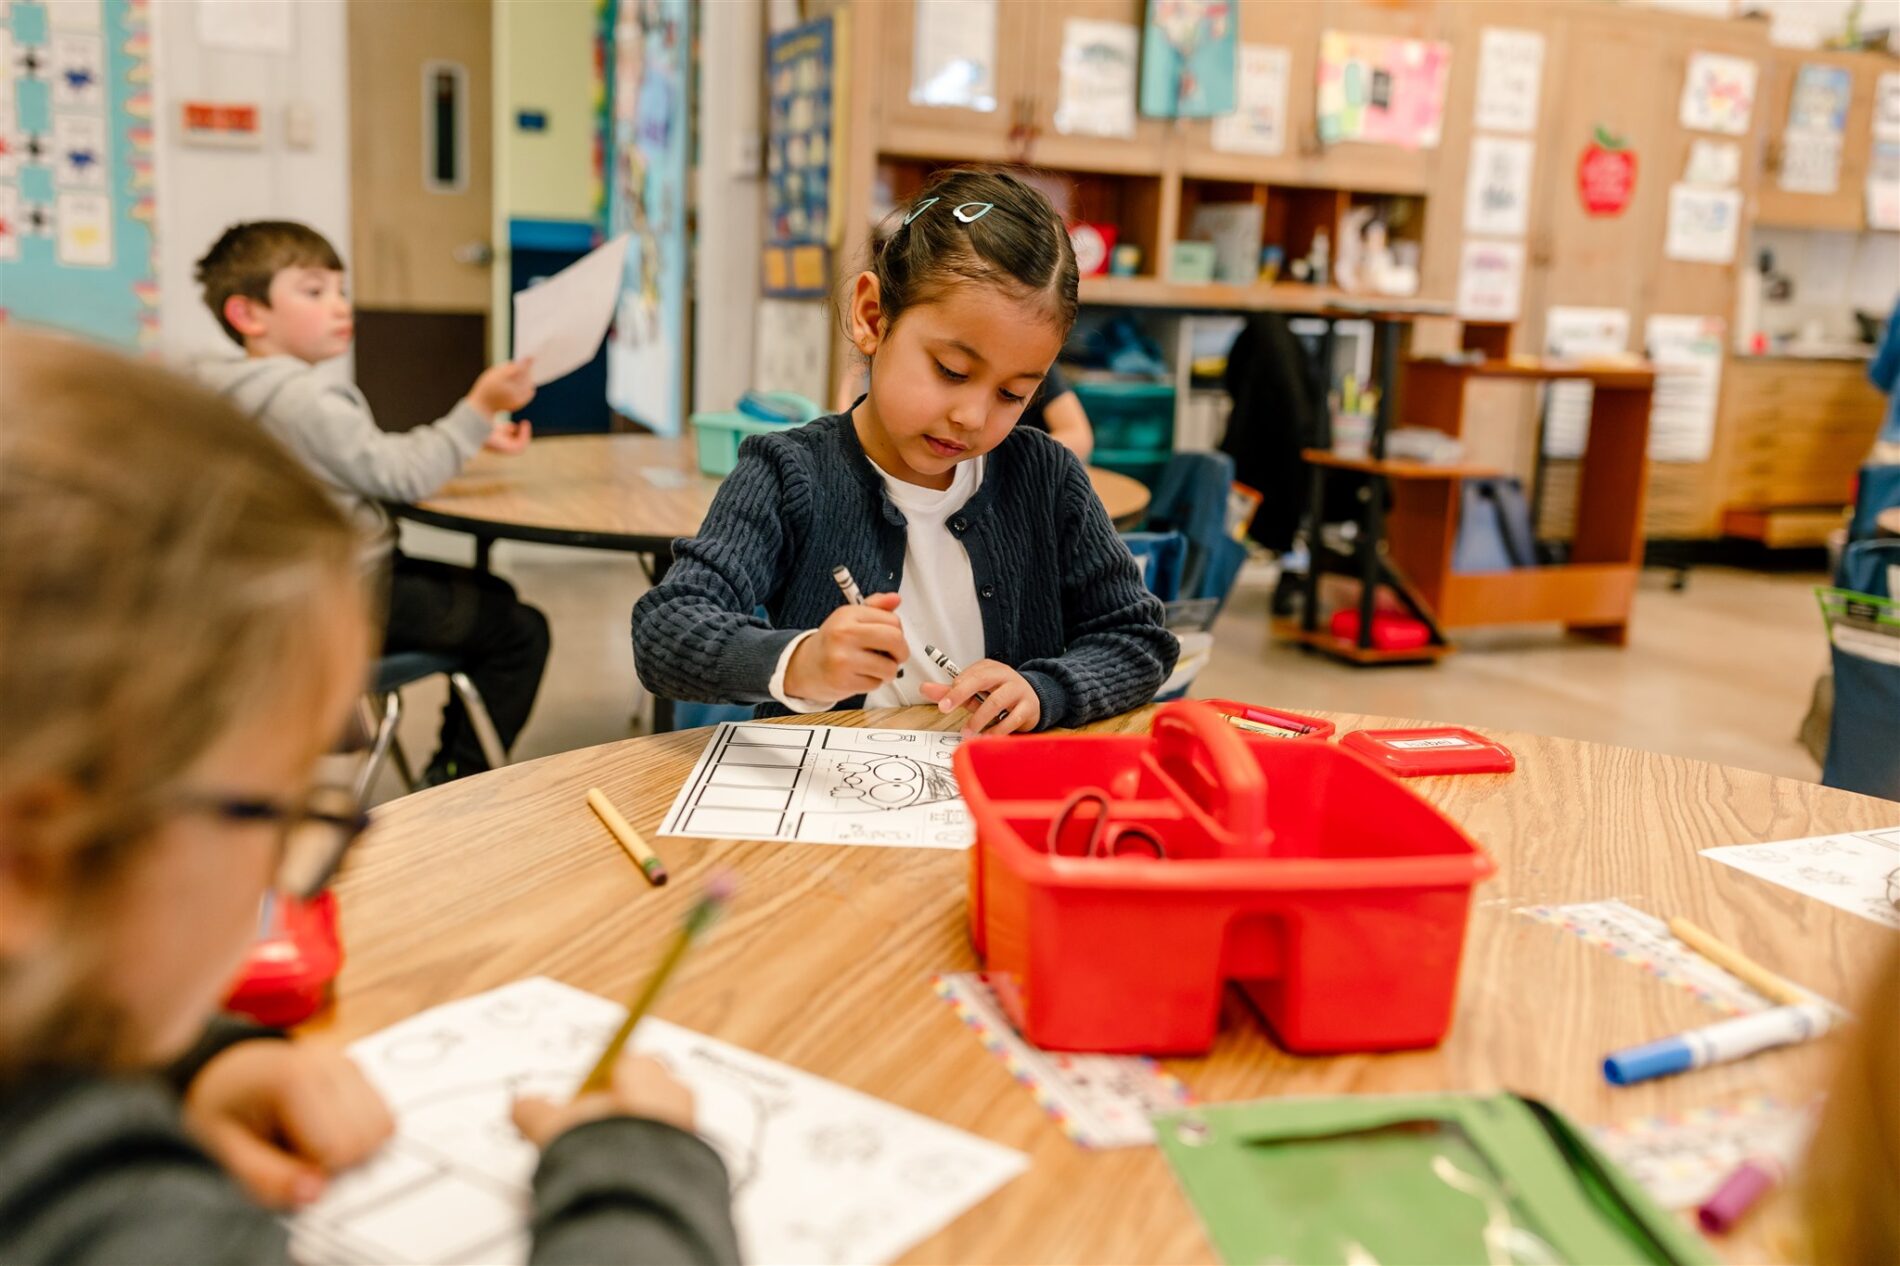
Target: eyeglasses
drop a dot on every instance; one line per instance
(312, 834)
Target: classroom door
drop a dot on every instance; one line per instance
(421, 193)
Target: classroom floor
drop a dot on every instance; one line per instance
(1720, 672)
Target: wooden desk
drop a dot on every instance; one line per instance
(826, 960)
(620, 492)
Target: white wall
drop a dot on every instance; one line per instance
(1834, 274)
(201, 191)
(730, 202)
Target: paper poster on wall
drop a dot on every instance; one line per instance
(1703, 224)
(646, 197)
(1687, 351)
(1498, 186)
(84, 229)
(78, 71)
(1887, 107)
(1606, 174)
(1718, 93)
(1817, 120)
(792, 347)
(804, 183)
(74, 15)
(1490, 280)
(1883, 187)
(1382, 90)
(1258, 123)
(1097, 74)
(1713, 164)
(953, 57)
(1577, 334)
(9, 222)
(1510, 74)
(79, 150)
(1189, 59)
(258, 26)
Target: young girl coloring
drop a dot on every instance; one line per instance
(182, 633)
(968, 534)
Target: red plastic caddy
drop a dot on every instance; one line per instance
(1118, 882)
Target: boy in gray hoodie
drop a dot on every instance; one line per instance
(277, 288)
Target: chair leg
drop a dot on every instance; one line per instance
(401, 758)
(384, 729)
(492, 750)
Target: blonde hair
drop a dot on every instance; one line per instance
(161, 560)
(1852, 1178)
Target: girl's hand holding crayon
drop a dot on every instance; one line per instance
(858, 648)
(1008, 690)
(642, 1087)
(281, 1117)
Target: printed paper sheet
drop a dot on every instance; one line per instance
(1858, 872)
(824, 784)
(1682, 1158)
(820, 1173)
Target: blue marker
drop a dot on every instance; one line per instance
(1718, 1043)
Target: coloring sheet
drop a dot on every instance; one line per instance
(824, 784)
(1645, 941)
(819, 1173)
(1681, 1159)
(1097, 1100)
(1859, 873)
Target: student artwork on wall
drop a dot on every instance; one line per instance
(803, 178)
(78, 249)
(1718, 94)
(1703, 224)
(1258, 123)
(1097, 78)
(1817, 119)
(1510, 75)
(953, 58)
(1382, 90)
(1883, 172)
(1498, 186)
(1490, 281)
(1189, 59)
(1606, 174)
(648, 111)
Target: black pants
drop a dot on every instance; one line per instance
(475, 616)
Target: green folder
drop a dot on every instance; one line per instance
(1424, 1179)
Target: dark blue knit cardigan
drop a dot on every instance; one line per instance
(1061, 596)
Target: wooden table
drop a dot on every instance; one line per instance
(1887, 522)
(826, 960)
(622, 492)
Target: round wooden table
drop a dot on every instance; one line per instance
(623, 492)
(826, 959)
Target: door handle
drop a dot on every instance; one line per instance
(475, 254)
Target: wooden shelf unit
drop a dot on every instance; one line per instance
(1340, 648)
(1592, 593)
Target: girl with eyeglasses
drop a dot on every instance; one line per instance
(182, 634)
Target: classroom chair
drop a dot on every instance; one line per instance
(381, 710)
(1862, 754)
(690, 716)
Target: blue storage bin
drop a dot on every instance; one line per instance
(1129, 417)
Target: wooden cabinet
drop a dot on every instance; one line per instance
(1845, 207)
(1798, 430)
(1049, 146)
(906, 124)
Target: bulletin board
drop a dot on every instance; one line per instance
(78, 249)
(648, 112)
(804, 179)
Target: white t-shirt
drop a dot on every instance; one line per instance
(939, 604)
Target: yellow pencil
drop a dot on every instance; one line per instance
(718, 892)
(643, 856)
(1750, 972)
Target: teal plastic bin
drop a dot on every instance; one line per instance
(1129, 417)
(717, 436)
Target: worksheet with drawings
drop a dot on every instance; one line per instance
(1857, 872)
(823, 784)
(820, 1173)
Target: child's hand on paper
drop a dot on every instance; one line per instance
(1008, 690)
(642, 1087)
(509, 438)
(282, 1116)
(856, 650)
(504, 387)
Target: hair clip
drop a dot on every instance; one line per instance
(919, 209)
(982, 209)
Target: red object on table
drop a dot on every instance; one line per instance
(1439, 749)
(286, 979)
(1390, 631)
(1275, 722)
(1337, 904)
